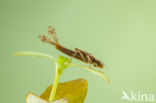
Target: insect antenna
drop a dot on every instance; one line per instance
(46, 39)
(52, 33)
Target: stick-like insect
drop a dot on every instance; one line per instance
(77, 53)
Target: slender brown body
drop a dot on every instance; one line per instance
(77, 53)
(81, 55)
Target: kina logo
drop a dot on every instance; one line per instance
(137, 96)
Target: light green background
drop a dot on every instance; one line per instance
(121, 33)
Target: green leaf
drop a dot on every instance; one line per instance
(74, 91)
(35, 54)
(63, 61)
(101, 74)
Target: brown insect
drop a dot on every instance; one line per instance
(77, 53)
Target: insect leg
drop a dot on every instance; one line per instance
(89, 61)
(73, 56)
(76, 50)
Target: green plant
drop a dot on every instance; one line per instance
(61, 64)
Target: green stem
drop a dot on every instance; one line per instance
(53, 91)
